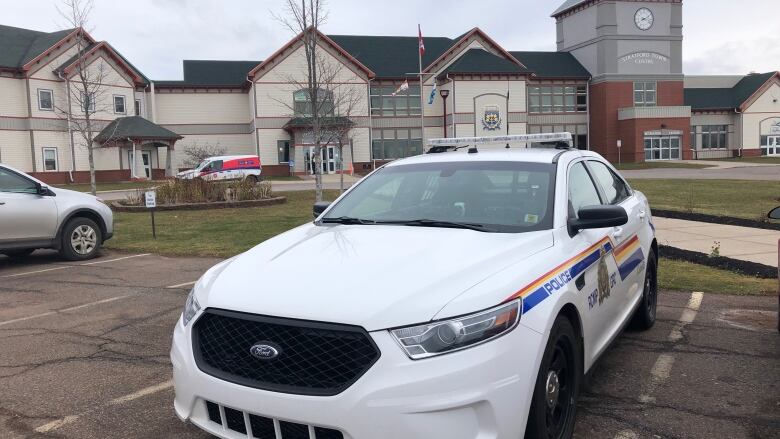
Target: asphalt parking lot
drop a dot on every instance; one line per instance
(84, 354)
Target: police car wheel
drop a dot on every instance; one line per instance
(644, 316)
(554, 402)
(252, 179)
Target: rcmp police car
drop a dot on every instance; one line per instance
(223, 168)
(453, 295)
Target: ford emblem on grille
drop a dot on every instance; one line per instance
(265, 350)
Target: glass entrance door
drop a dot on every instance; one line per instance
(662, 148)
(773, 145)
(329, 160)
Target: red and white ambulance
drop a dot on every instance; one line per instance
(228, 167)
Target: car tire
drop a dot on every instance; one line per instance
(81, 239)
(557, 388)
(252, 179)
(19, 253)
(644, 316)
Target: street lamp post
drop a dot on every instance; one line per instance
(444, 93)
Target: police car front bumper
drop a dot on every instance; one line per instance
(481, 392)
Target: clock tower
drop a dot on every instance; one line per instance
(633, 50)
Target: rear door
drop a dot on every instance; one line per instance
(629, 248)
(24, 214)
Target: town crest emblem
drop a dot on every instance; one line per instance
(491, 121)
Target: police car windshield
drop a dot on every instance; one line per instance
(498, 196)
(203, 164)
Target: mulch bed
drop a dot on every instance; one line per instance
(716, 219)
(117, 207)
(722, 262)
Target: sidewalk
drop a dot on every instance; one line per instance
(744, 243)
(724, 164)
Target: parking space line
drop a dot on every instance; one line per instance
(53, 425)
(185, 284)
(662, 368)
(36, 271)
(60, 311)
(116, 259)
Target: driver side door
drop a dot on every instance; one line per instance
(25, 215)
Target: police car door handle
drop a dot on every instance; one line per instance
(641, 214)
(2, 202)
(617, 232)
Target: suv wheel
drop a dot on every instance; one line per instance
(81, 239)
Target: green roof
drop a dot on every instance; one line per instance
(726, 98)
(213, 73)
(392, 57)
(19, 46)
(134, 127)
(482, 61)
(552, 64)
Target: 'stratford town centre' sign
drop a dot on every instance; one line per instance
(644, 58)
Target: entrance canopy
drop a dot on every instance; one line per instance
(133, 131)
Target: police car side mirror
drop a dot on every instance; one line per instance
(774, 213)
(597, 217)
(320, 207)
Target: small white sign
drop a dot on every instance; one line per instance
(619, 143)
(151, 199)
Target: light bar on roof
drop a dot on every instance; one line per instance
(528, 138)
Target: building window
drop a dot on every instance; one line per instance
(50, 159)
(405, 103)
(119, 104)
(714, 136)
(283, 148)
(88, 102)
(396, 144)
(557, 99)
(579, 133)
(137, 107)
(45, 100)
(693, 137)
(644, 94)
(302, 105)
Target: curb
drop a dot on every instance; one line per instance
(716, 219)
(722, 262)
(116, 207)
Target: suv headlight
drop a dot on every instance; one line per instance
(444, 336)
(191, 307)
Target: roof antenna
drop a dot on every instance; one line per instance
(473, 149)
(507, 145)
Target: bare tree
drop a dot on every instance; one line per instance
(86, 92)
(329, 102)
(195, 153)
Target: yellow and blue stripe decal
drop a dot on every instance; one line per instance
(630, 254)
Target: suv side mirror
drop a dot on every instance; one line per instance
(320, 207)
(596, 217)
(774, 213)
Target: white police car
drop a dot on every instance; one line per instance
(453, 295)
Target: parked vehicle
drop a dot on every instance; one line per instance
(451, 295)
(228, 167)
(34, 215)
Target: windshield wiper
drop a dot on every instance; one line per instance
(346, 220)
(441, 223)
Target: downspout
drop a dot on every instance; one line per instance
(742, 132)
(454, 126)
(370, 131)
(70, 130)
(154, 106)
(254, 116)
(29, 121)
(587, 114)
(145, 103)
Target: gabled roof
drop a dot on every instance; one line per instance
(20, 46)
(481, 61)
(568, 4)
(68, 65)
(212, 73)
(134, 127)
(727, 98)
(552, 64)
(390, 56)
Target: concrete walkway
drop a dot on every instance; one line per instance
(744, 243)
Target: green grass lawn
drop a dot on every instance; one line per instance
(737, 198)
(218, 232)
(655, 165)
(765, 160)
(121, 185)
(686, 276)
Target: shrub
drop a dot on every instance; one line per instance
(201, 191)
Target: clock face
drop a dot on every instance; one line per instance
(643, 18)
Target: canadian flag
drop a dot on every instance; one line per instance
(420, 40)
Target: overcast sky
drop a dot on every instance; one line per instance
(720, 36)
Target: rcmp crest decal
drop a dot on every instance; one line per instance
(603, 277)
(491, 120)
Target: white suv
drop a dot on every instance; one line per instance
(34, 216)
(451, 295)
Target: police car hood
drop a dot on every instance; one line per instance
(375, 276)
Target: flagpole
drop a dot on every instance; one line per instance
(422, 90)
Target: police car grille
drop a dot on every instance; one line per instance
(314, 358)
(261, 427)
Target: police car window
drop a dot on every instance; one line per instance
(13, 182)
(614, 188)
(582, 192)
(504, 196)
(216, 165)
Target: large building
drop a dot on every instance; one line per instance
(615, 82)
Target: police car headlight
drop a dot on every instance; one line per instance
(444, 336)
(191, 307)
